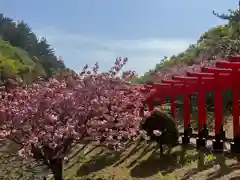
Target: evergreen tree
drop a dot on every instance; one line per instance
(20, 35)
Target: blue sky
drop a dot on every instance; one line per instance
(86, 31)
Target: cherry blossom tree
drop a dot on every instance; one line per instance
(49, 117)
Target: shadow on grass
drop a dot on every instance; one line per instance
(220, 160)
(78, 155)
(83, 152)
(200, 167)
(224, 170)
(98, 162)
(135, 149)
(146, 150)
(78, 151)
(165, 164)
(155, 163)
(103, 160)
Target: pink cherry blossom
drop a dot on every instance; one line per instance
(48, 117)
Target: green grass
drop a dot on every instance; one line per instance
(12, 167)
(143, 161)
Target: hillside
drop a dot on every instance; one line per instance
(23, 55)
(218, 42)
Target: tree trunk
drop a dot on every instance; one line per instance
(56, 166)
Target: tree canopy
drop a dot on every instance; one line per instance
(23, 54)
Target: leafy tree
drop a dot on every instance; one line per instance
(18, 62)
(20, 35)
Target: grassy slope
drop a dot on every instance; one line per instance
(142, 161)
(12, 167)
(139, 161)
(207, 47)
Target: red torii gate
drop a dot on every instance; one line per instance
(234, 65)
(217, 79)
(201, 85)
